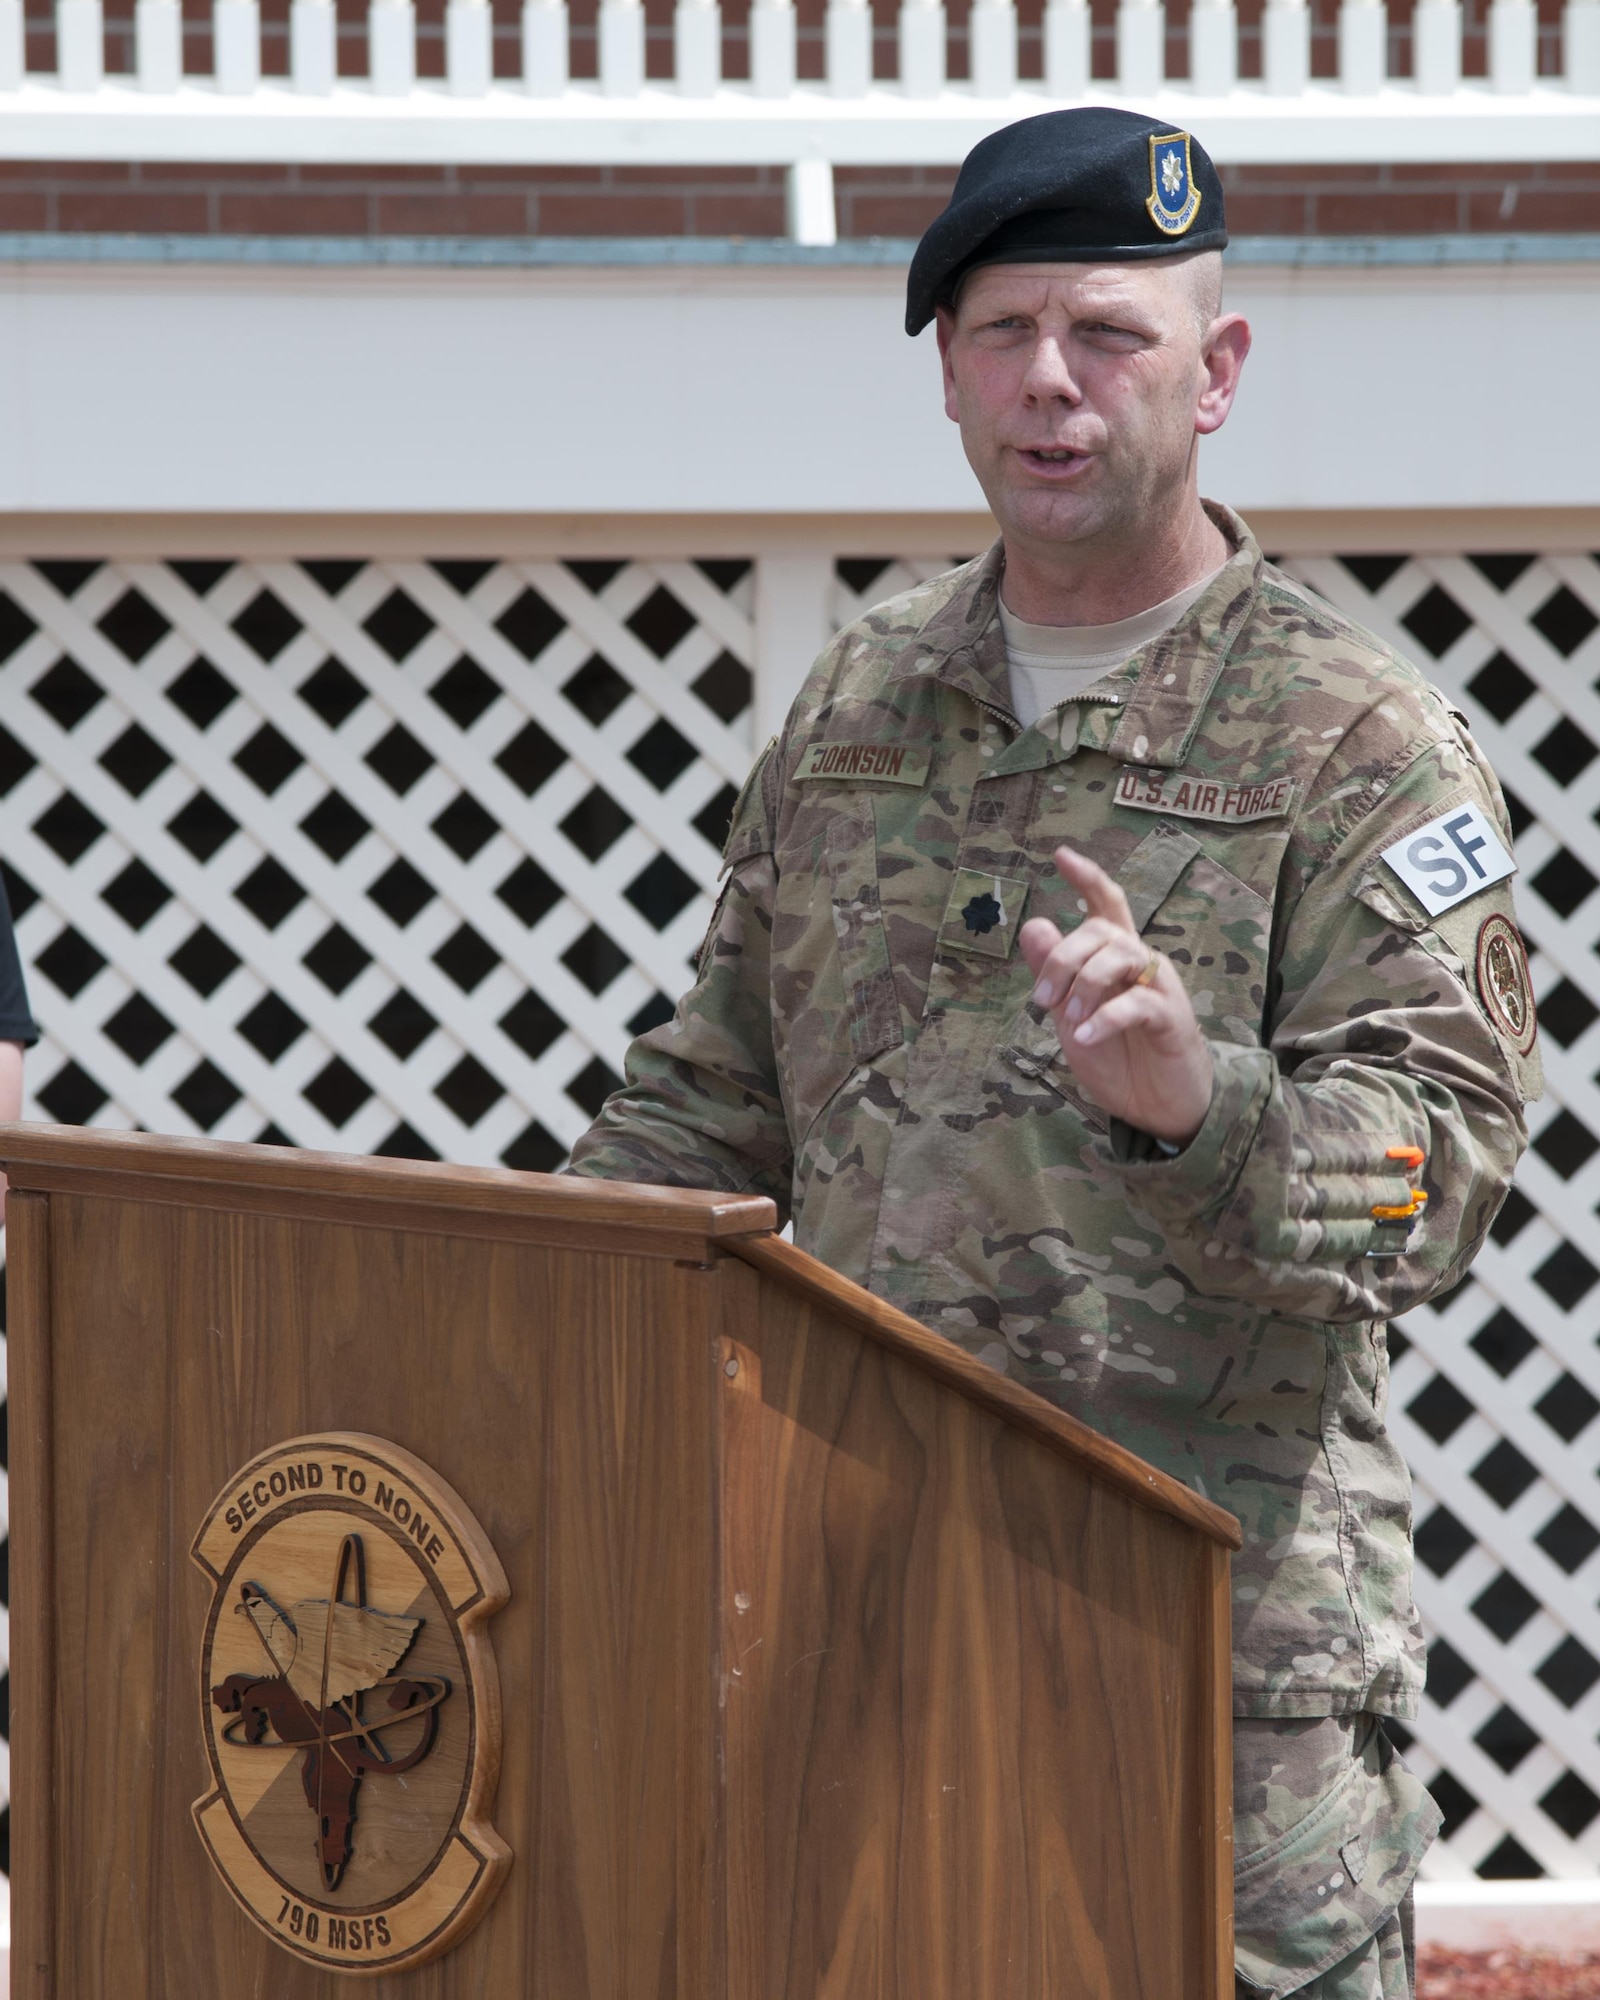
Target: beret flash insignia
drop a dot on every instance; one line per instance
(1174, 200)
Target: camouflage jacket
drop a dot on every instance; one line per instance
(861, 1045)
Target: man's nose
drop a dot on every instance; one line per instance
(1050, 373)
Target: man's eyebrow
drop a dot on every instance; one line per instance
(1106, 302)
(1119, 312)
(1115, 309)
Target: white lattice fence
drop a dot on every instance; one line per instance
(1495, 1396)
(397, 856)
(383, 857)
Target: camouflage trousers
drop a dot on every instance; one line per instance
(1329, 1828)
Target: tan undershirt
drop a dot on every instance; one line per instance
(1053, 664)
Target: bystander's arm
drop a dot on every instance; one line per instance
(10, 1098)
(17, 1030)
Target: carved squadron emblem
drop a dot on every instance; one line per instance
(344, 1654)
(326, 1655)
(1503, 983)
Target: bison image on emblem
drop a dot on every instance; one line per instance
(327, 1656)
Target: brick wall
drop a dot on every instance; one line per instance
(732, 201)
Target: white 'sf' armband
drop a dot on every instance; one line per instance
(1450, 859)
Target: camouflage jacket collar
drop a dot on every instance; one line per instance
(963, 644)
(1144, 712)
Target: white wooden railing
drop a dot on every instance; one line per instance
(848, 117)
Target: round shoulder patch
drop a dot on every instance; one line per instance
(1503, 983)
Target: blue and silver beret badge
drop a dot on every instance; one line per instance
(1174, 200)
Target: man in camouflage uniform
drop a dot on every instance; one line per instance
(1124, 1044)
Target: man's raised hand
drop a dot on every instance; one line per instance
(1124, 1019)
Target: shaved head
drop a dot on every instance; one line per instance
(1203, 275)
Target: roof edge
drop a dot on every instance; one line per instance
(703, 252)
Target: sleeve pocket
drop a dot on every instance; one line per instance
(872, 1006)
(1454, 940)
(750, 828)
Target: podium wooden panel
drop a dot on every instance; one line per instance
(834, 1668)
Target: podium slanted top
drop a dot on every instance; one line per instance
(1021, 1408)
(563, 1210)
(568, 1212)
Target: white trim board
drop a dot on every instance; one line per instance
(1476, 1915)
(288, 536)
(654, 125)
(747, 391)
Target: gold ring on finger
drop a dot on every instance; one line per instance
(1152, 966)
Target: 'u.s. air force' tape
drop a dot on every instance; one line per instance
(1450, 859)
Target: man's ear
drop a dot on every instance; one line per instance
(944, 327)
(1222, 361)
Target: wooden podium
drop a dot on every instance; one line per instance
(833, 1666)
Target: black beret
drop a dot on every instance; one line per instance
(1091, 185)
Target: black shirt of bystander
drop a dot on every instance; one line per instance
(16, 1020)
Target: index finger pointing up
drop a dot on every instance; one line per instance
(1100, 895)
